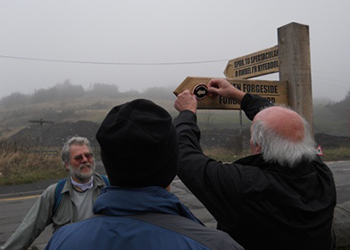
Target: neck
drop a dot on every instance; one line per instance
(82, 181)
(82, 186)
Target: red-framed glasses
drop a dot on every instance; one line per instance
(81, 157)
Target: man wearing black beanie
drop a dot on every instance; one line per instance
(139, 150)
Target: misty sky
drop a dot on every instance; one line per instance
(161, 32)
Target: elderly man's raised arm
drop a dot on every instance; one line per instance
(250, 104)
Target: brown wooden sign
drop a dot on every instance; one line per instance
(274, 91)
(256, 64)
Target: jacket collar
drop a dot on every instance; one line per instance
(117, 201)
(303, 167)
(98, 182)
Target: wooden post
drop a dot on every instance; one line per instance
(295, 67)
(41, 136)
(349, 121)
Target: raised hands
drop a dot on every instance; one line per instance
(186, 101)
(223, 88)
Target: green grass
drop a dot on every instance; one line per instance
(338, 154)
(18, 165)
(225, 155)
(31, 177)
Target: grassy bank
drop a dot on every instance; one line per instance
(224, 155)
(338, 154)
(19, 164)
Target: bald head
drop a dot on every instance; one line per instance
(282, 136)
(284, 122)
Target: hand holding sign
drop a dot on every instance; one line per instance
(225, 89)
(205, 90)
(186, 101)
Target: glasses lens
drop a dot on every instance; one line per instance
(88, 156)
(81, 157)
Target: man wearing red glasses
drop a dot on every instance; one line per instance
(65, 202)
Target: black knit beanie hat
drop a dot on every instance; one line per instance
(139, 145)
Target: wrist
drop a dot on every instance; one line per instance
(189, 110)
(237, 95)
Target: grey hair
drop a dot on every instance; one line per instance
(275, 148)
(75, 140)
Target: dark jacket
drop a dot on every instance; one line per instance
(261, 205)
(117, 230)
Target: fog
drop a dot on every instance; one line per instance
(136, 44)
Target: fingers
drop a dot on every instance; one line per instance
(213, 83)
(186, 101)
(185, 93)
(225, 89)
(215, 86)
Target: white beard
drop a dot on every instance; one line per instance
(76, 171)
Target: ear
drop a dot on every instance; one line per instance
(258, 149)
(66, 166)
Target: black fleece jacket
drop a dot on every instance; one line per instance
(261, 205)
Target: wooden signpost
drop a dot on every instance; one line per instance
(290, 57)
(256, 64)
(274, 91)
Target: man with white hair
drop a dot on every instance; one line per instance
(65, 202)
(281, 197)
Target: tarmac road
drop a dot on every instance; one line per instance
(16, 201)
(13, 209)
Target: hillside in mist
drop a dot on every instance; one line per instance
(70, 103)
